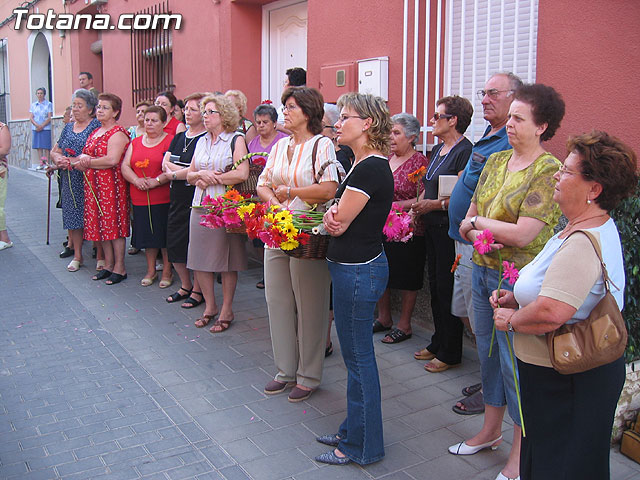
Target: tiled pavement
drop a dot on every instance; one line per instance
(102, 382)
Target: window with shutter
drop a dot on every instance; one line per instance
(485, 37)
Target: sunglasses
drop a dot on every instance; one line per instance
(437, 116)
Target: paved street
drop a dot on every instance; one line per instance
(111, 382)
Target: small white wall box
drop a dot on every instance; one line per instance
(373, 76)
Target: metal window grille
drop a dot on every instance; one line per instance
(4, 94)
(152, 60)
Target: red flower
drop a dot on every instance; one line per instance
(70, 152)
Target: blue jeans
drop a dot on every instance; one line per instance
(356, 289)
(498, 387)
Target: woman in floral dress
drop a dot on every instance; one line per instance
(106, 196)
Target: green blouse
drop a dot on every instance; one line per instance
(506, 196)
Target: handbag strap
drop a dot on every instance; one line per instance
(598, 251)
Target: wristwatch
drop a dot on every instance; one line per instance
(444, 207)
(174, 176)
(473, 221)
(158, 180)
(510, 327)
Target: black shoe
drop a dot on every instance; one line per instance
(332, 459)
(329, 350)
(332, 440)
(67, 252)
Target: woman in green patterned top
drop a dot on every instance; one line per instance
(514, 200)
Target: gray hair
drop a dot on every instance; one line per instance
(332, 113)
(89, 98)
(514, 81)
(410, 125)
(266, 109)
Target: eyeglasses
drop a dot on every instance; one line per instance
(210, 112)
(291, 107)
(344, 118)
(493, 93)
(333, 129)
(565, 171)
(437, 116)
(189, 109)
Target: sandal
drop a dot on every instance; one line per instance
(115, 278)
(178, 296)
(329, 350)
(101, 275)
(260, 284)
(166, 283)
(473, 405)
(379, 327)
(74, 266)
(424, 354)
(192, 302)
(204, 320)
(148, 281)
(220, 326)
(471, 389)
(133, 250)
(396, 336)
(437, 366)
(100, 265)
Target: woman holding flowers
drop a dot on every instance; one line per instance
(106, 203)
(569, 417)
(213, 249)
(149, 189)
(297, 289)
(514, 201)
(64, 153)
(406, 259)
(450, 121)
(359, 272)
(176, 164)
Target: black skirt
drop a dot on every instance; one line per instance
(145, 237)
(406, 264)
(178, 223)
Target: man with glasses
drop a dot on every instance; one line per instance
(496, 98)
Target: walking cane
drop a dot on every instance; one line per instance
(48, 205)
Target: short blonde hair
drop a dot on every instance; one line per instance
(242, 100)
(375, 108)
(227, 110)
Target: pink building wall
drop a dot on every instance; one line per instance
(591, 55)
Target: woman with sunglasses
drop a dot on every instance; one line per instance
(450, 121)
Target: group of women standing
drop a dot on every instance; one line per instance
(518, 198)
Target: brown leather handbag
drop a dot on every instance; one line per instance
(597, 340)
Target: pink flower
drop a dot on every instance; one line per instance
(392, 226)
(510, 272)
(483, 242)
(231, 218)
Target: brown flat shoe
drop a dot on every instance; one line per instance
(274, 387)
(424, 354)
(436, 366)
(298, 394)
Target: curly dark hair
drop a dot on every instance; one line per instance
(608, 161)
(310, 102)
(459, 107)
(546, 104)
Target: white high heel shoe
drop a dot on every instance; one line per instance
(463, 449)
(502, 477)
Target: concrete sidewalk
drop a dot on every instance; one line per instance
(112, 382)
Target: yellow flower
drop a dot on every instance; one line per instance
(274, 208)
(289, 230)
(289, 245)
(245, 209)
(283, 216)
(269, 217)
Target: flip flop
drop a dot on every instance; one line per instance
(204, 320)
(192, 302)
(473, 405)
(378, 327)
(222, 325)
(115, 278)
(396, 336)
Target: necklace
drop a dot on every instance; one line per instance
(429, 177)
(186, 145)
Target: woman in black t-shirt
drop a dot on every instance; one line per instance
(359, 272)
(176, 163)
(450, 121)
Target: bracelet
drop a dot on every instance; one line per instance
(158, 180)
(473, 221)
(443, 205)
(288, 192)
(174, 176)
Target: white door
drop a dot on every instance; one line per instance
(287, 45)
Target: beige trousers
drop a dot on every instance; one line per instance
(297, 293)
(3, 197)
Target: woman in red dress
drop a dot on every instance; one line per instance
(168, 101)
(106, 205)
(142, 168)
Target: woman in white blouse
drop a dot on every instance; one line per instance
(297, 290)
(215, 250)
